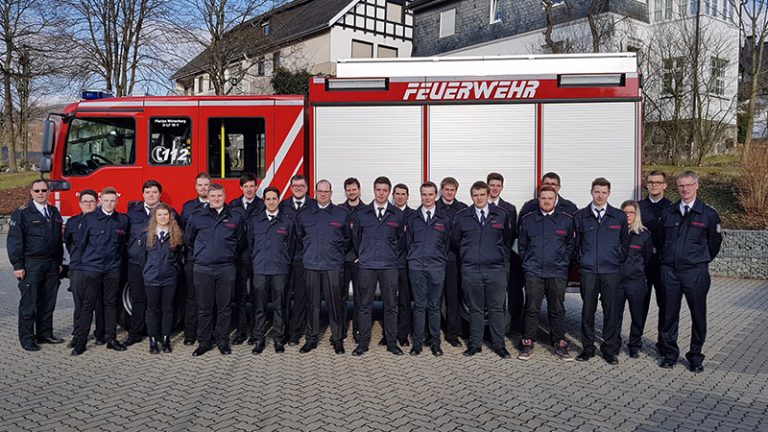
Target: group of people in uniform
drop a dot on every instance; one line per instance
(253, 258)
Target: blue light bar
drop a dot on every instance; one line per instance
(95, 94)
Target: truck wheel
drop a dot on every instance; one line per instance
(124, 308)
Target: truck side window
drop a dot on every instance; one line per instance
(241, 141)
(96, 142)
(170, 141)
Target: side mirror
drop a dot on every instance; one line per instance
(45, 164)
(49, 133)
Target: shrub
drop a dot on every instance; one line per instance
(753, 180)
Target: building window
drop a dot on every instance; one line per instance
(93, 143)
(275, 61)
(243, 144)
(362, 49)
(265, 28)
(200, 84)
(210, 82)
(672, 75)
(496, 14)
(718, 76)
(170, 141)
(386, 52)
(682, 8)
(260, 66)
(395, 12)
(668, 10)
(447, 23)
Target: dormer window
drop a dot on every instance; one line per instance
(265, 28)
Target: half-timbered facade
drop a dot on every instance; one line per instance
(304, 34)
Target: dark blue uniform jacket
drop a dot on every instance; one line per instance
(691, 241)
(546, 244)
(427, 244)
(325, 235)
(651, 217)
(563, 206)
(379, 242)
(271, 243)
(138, 220)
(452, 210)
(287, 208)
(352, 211)
(31, 236)
(217, 239)
(601, 248)
(482, 247)
(104, 241)
(73, 239)
(190, 207)
(161, 262)
(638, 255)
(402, 260)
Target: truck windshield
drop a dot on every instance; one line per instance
(96, 142)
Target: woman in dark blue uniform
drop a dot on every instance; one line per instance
(163, 242)
(634, 288)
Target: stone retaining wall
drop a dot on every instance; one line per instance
(744, 254)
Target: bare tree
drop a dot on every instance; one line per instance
(753, 26)
(567, 33)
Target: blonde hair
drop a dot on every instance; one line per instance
(637, 225)
(175, 234)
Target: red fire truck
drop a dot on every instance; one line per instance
(411, 119)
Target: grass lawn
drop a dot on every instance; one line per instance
(15, 180)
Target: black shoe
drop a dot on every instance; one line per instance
(338, 347)
(71, 343)
(239, 339)
(78, 349)
(585, 356)
(633, 353)
(394, 349)
(294, 340)
(383, 341)
(696, 368)
(416, 350)
(167, 344)
(610, 359)
(404, 342)
(189, 341)
(31, 346)
(153, 348)
(308, 346)
(667, 364)
(100, 341)
(225, 350)
(201, 349)
(471, 351)
(132, 339)
(252, 340)
(115, 345)
(259, 346)
(50, 340)
(503, 353)
(359, 350)
(454, 342)
(279, 347)
(436, 351)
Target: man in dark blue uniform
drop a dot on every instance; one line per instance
(104, 234)
(651, 209)
(453, 321)
(248, 204)
(602, 241)
(428, 232)
(515, 297)
(562, 205)
(400, 194)
(36, 253)
(351, 264)
(483, 235)
(271, 240)
(546, 245)
(202, 182)
(324, 230)
(691, 240)
(297, 311)
(378, 238)
(218, 238)
(138, 218)
(73, 240)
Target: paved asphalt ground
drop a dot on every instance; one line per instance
(135, 391)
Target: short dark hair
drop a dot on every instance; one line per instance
(216, 187)
(203, 175)
(480, 185)
(449, 181)
(428, 184)
(547, 189)
(271, 189)
(39, 180)
(551, 175)
(657, 173)
(152, 183)
(248, 177)
(601, 181)
(495, 176)
(351, 181)
(109, 190)
(90, 192)
(402, 186)
(382, 180)
(297, 177)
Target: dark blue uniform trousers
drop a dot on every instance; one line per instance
(694, 285)
(39, 288)
(485, 290)
(262, 286)
(427, 290)
(636, 294)
(214, 290)
(605, 288)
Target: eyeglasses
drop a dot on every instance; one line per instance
(39, 190)
(684, 186)
(656, 182)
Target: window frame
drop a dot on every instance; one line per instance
(261, 148)
(149, 140)
(361, 42)
(92, 119)
(444, 14)
(496, 13)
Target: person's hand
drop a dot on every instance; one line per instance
(19, 274)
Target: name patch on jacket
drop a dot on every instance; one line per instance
(614, 227)
(496, 225)
(335, 224)
(439, 227)
(635, 246)
(561, 232)
(120, 231)
(230, 225)
(282, 231)
(698, 224)
(393, 224)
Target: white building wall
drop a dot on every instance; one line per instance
(341, 43)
